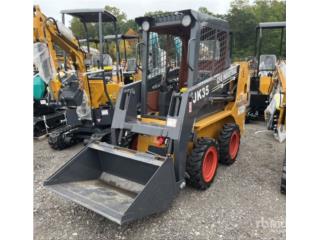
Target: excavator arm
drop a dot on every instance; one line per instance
(48, 31)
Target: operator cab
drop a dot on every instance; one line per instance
(167, 39)
(267, 64)
(97, 58)
(93, 55)
(128, 67)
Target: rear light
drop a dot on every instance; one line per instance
(160, 140)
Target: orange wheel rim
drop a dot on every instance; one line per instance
(210, 163)
(234, 144)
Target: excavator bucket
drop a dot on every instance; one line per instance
(120, 184)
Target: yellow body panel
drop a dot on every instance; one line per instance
(55, 86)
(282, 79)
(234, 112)
(144, 141)
(107, 68)
(265, 85)
(137, 76)
(97, 94)
(210, 126)
(153, 120)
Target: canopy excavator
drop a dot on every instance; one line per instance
(48, 114)
(267, 57)
(88, 96)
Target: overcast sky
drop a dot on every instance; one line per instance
(133, 8)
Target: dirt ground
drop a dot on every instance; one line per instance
(244, 202)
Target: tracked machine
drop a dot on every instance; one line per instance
(275, 113)
(179, 122)
(91, 94)
(268, 86)
(47, 113)
(263, 67)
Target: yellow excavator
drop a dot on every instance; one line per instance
(268, 85)
(264, 66)
(89, 96)
(48, 114)
(183, 118)
(275, 113)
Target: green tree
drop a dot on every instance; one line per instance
(152, 13)
(123, 25)
(130, 24)
(206, 11)
(77, 28)
(243, 19)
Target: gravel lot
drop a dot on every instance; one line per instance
(244, 201)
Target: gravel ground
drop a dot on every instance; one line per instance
(244, 201)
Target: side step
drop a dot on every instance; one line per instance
(120, 184)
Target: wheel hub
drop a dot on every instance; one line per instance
(210, 163)
(234, 144)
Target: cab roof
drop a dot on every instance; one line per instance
(90, 15)
(111, 37)
(176, 17)
(270, 25)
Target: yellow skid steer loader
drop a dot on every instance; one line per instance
(184, 117)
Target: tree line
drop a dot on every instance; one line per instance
(242, 16)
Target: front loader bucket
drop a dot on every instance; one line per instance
(120, 184)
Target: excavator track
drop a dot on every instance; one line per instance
(63, 137)
(46, 123)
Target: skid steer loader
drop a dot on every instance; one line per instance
(184, 116)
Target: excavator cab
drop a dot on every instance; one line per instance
(266, 58)
(128, 67)
(165, 127)
(98, 80)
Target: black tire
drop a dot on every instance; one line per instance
(39, 129)
(59, 141)
(107, 138)
(247, 119)
(195, 161)
(126, 141)
(227, 132)
(283, 177)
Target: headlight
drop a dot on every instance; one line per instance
(145, 26)
(186, 20)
